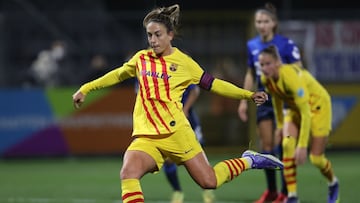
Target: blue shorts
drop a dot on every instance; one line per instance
(264, 112)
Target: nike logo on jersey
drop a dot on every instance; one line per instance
(187, 151)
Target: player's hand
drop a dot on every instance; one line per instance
(300, 155)
(259, 98)
(78, 99)
(242, 110)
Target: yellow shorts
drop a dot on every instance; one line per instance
(179, 146)
(321, 116)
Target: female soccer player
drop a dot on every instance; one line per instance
(160, 127)
(308, 111)
(266, 24)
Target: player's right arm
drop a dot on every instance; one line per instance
(278, 111)
(277, 104)
(110, 78)
(248, 85)
(113, 77)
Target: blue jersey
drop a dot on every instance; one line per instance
(289, 53)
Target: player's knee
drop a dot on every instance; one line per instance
(124, 173)
(288, 144)
(317, 160)
(208, 184)
(129, 173)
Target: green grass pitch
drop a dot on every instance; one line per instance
(96, 180)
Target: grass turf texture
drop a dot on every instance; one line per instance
(96, 180)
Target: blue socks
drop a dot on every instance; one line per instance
(171, 174)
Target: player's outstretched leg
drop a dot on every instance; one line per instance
(263, 161)
(227, 170)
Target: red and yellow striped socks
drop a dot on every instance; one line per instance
(227, 170)
(289, 146)
(131, 191)
(324, 165)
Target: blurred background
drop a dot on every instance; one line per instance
(49, 48)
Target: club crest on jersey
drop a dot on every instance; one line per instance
(173, 67)
(300, 92)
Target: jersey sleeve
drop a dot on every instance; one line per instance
(227, 89)
(277, 104)
(250, 59)
(127, 70)
(297, 86)
(292, 52)
(218, 86)
(195, 70)
(278, 111)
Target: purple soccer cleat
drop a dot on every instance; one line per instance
(263, 161)
(334, 196)
(292, 200)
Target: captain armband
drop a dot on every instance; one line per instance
(206, 81)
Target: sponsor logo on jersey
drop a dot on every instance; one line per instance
(173, 67)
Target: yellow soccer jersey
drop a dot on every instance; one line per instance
(300, 91)
(162, 82)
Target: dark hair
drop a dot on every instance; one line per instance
(270, 10)
(272, 51)
(168, 16)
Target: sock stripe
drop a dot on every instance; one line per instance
(237, 172)
(131, 194)
(288, 159)
(290, 175)
(231, 172)
(290, 167)
(240, 163)
(291, 182)
(136, 200)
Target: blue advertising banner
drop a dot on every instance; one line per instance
(330, 49)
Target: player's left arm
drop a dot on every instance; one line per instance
(222, 87)
(297, 86)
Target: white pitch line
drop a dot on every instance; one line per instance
(78, 200)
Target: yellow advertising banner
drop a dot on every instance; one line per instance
(346, 115)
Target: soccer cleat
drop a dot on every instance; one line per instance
(334, 196)
(177, 197)
(208, 196)
(267, 196)
(281, 198)
(292, 200)
(262, 161)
